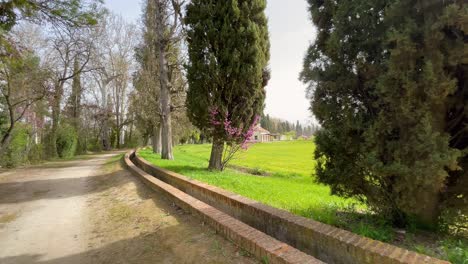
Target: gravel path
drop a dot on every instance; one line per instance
(42, 209)
(93, 211)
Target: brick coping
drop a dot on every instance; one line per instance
(341, 246)
(256, 242)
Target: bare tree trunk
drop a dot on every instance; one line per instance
(106, 144)
(6, 140)
(105, 135)
(165, 98)
(53, 134)
(118, 136)
(157, 139)
(75, 97)
(75, 103)
(130, 132)
(166, 135)
(55, 120)
(216, 159)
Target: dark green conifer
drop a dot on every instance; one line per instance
(388, 81)
(228, 48)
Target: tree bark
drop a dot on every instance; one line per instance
(6, 141)
(130, 132)
(106, 144)
(75, 97)
(166, 137)
(157, 139)
(428, 212)
(165, 98)
(118, 136)
(55, 120)
(75, 103)
(216, 158)
(105, 135)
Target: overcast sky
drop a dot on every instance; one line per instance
(290, 34)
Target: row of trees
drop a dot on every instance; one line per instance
(228, 51)
(34, 70)
(159, 82)
(72, 84)
(222, 86)
(388, 84)
(279, 126)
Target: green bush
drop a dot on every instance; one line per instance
(36, 153)
(84, 142)
(136, 140)
(17, 152)
(95, 145)
(67, 141)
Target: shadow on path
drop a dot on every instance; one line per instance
(18, 192)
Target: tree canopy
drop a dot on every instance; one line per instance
(228, 48)
(388, 84)
(71, 13)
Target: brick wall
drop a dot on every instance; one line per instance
(325, 242)
(254, 241)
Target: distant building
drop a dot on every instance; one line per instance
(262, 135)
(275, 137)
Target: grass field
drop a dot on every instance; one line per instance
(290, 185)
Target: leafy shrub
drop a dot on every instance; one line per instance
(67, 140)
(136, 140)
(95, 145)
(456, 251)
(17, 151)
(47, 144)
(36, 153)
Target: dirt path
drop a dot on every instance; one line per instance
(93, 211)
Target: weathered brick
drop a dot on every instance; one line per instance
(330, 243)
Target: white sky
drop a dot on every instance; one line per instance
(291, 32)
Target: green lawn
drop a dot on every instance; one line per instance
(293, 158)
(290, 186)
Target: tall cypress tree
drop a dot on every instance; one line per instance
(228, 49)
(389, 85)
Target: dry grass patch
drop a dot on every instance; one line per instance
(7, 218)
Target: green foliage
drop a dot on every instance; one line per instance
(3, 116)
(135, 141)
(386, 80)
(382, 233)
(456, 251)
(76, 12)
(289, 185)
(228, 47)
(67, 141)
(36, 153)
(17, 151)
(95, 145)
(47, 145)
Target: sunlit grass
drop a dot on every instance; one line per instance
(290, 186)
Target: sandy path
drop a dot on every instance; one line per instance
(42, 210)
(93, 211)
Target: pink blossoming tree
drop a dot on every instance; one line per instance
(228, 48)
(236, 138)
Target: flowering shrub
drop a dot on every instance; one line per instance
(236, 138)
